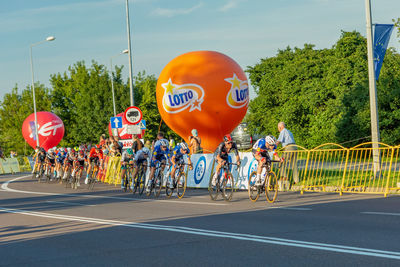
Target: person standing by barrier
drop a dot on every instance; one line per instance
(2, 154)
(287, 140)
(136, 144)
(194, 142)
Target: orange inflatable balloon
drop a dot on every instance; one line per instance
(203, 90)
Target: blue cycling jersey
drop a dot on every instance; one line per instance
(61, 156)
(158, 153)
(261, 146)
(177, 153)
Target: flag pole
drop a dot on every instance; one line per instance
(372, 92)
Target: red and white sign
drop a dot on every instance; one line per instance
(123, 132)
(50, 129)
(133, 115)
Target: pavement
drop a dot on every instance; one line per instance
(47, 225)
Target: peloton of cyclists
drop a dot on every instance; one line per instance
(221, 155)
(261, 152)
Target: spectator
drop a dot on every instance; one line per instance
(137, 144)
(287, 140)
(148, 144)
(2, 154)
(102, 140)
(194, 142)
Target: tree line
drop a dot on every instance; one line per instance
(82, 98)
(323, 94)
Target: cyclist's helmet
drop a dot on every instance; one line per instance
(164, 142)
(129, 151)
(81, 153)
(72, 151)
(146, 151)
(270, 140)
(184, 146)
(228, 138)
(68, 149)
(50, 150)
(98, 147)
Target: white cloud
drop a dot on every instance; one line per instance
(229, 5)
(167, 12)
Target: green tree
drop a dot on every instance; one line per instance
(323, 94)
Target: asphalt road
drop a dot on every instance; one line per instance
(48, 225)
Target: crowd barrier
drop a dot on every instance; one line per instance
(327, 168)
(9, 165)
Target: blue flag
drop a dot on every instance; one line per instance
(381, 41)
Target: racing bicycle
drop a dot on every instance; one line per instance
(179, 182)
(140, 179)
(156, 183)
(224, 184)
(269, 183)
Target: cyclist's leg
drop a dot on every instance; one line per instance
(123, 171)
(217, 170)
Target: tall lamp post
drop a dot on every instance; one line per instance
(112, 78)
(128, 30)
(50, 38)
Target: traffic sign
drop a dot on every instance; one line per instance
(133, 129)
(133, 115)
(116, 122)
(142, 125)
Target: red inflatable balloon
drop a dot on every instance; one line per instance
(50, 129)
(122, 132)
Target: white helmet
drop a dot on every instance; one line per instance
(68, 149)
(50, 150)
(270, 139)
(184, 146)
(146, 150)
(164, 142)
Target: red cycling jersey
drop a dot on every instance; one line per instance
(94, 154)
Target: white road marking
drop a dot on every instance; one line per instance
(69, 203)
(381, 213)
(211, 233)
(291, 208)
(5, 187)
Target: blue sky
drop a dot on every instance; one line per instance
(246, 30)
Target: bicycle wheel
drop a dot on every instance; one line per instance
(141, 180)
(168, 189)
(271, 187)
(181, 185)
(213, 190)
(254, 191)
(228, 186)
(125, 182)
(158, 184)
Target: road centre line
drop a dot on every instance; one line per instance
(5, 187)
(69, 203)
(380, 213)
(211, 233)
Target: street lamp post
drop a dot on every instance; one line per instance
(130, 53)
(112, 79)
(50, 38)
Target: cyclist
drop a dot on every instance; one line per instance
(51, 159)
(160, 154)
(261, 152)
(177, 157)
(60, 157)
(79, 162)
(41, 158)
(69, 161)
(126, 158)
(221, 155)
(140, 158)
(95, 156)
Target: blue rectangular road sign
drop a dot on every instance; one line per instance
(116, 122)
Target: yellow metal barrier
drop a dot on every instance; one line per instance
(113, 171)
